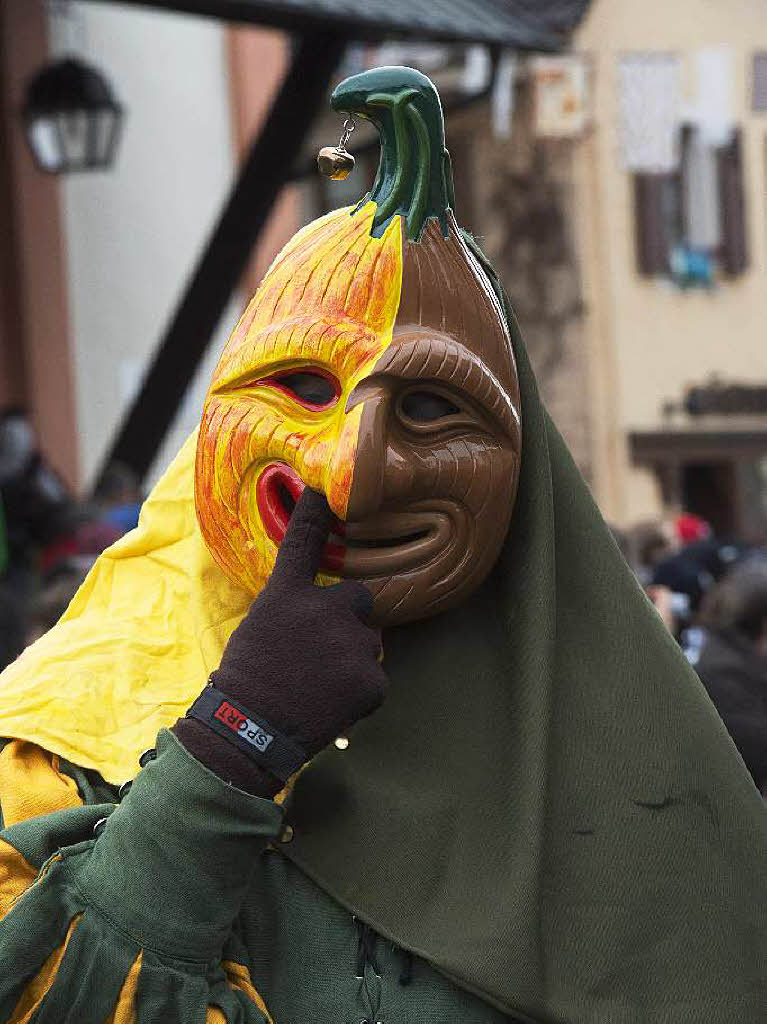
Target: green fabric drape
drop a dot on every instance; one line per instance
(548, 807)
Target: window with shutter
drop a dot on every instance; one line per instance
(733, 253)
(689, 222)
(687, 177)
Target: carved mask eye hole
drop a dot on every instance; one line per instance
(308, 387)
(424, 406)
(428, 409)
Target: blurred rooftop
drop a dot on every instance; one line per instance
(523, 24)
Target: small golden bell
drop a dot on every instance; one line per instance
(335, 163)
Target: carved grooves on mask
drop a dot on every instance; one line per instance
(448, 361)
(333, 271)
(337, 270)
(449, 328)
(444, 288)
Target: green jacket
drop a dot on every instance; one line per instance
(186, 867)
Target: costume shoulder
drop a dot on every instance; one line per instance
(94, 926)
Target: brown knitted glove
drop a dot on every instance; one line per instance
(304, 658)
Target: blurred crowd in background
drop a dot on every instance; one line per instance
(711, 593)
(48, 538)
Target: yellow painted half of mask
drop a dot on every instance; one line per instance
(328, 303)
(144, 631)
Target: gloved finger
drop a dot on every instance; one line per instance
(300, 553)
(355, 596)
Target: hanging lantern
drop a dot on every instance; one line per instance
(72, 118)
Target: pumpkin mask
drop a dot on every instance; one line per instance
(374, 365)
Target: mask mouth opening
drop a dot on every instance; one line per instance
(278, 489)
(371, 543)
(383, 545)
(392, 543)
(286, 498)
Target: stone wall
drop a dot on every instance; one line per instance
(516, 195)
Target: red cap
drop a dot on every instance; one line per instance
(689, 528)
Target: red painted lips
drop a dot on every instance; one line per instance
(278, 489)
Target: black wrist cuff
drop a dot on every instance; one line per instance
(253, 736)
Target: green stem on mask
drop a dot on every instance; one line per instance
(414, 176)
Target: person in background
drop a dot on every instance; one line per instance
(47, 606)
(733, 661)
(655, 541)
(48, 539)
(689, 528)
(693, 568)
(118, 497)
(38, 509)
(11, 628)
(649, 543)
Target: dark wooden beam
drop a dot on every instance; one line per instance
(698, 443)
(223, 260)
(519, 26)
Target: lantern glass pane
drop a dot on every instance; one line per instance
(73, 129)
(103, 129)
(44, 139)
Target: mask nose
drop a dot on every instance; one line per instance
(369, 469)
(369, 477)
(341, 469)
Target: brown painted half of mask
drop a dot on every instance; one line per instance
(438, 452)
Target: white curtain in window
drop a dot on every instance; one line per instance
(715, 78)
(701, 193)
(650, 100)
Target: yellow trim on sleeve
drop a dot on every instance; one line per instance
(238, 977)
(31, 783)
(16, 876)
(35, 992)
(125, 1010)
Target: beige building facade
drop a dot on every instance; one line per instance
(648, 338)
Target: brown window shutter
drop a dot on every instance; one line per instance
(652, 245)
(733, 253)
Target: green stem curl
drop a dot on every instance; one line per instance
(414, 177)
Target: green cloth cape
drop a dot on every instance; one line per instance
(547, 807)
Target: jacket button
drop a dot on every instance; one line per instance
(287, 834)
